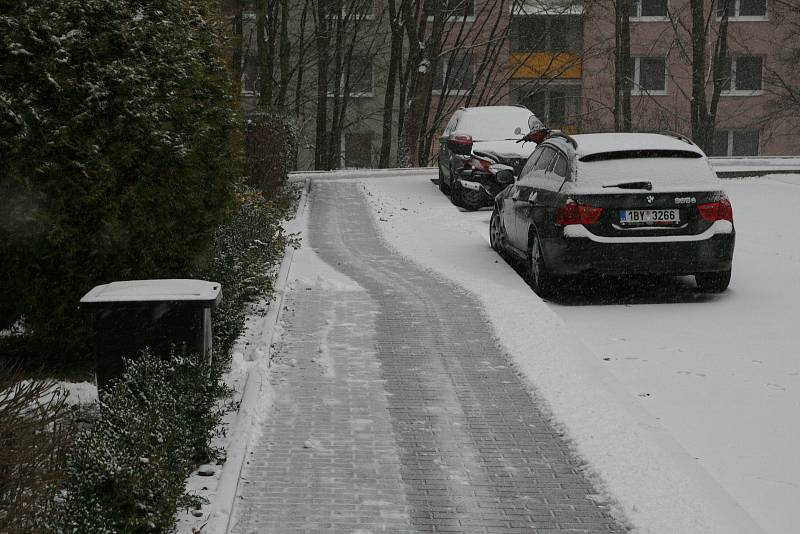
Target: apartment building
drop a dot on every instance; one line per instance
(557, 58)
(751, 119)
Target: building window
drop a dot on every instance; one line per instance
(546, 33)
(649, 75)
(452, 8)
(649, 9)
(358, 150)
(456, 74)
(743, 8)
(736, 142)
(742, 74)
(359, 81)
(557, 105)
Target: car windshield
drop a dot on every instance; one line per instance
(495, 125)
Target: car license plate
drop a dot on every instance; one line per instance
(654, 217)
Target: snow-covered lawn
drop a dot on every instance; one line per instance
(686, 405)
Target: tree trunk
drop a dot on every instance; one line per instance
(388, 99)
(427, 67)
(698, 109)
(720, 55)
(264, 76)
(285, 54)
(322, 39)
(622, 67)
(301, 54)
(266, 13)
(236, 55)
(334, 133)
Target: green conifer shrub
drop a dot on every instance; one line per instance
(118, 151)
(126, 471)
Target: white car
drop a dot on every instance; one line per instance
(477, 144)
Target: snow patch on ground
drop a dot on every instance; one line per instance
(79, 392)
(249, 376)
(249, 362)
(654, 482)
(76, 392)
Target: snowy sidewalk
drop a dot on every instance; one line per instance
(395, 409)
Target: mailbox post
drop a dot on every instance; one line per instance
(156, 314)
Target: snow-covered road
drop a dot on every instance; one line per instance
(686, 405)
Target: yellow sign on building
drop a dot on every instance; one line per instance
(526, 65)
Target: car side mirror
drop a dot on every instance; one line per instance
(460, 144)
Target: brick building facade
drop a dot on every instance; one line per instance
(557, 58)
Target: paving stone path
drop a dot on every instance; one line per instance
(396, 411)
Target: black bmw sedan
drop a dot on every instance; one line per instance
(616, 203)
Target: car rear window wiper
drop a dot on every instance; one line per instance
(632, 185)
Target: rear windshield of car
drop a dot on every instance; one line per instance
(664, 169)
(639, 154)
(495, 126)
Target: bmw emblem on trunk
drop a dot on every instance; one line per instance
(650, 199)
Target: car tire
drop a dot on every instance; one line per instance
(496, 233)
(472, 200)
(443, 187)
(713, 282)
(456, 192)
(536, 273)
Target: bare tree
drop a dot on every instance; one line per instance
(782, 79)
(708, 66)
(393, 75)
(622, 66)
(266, 16)
(322, 41)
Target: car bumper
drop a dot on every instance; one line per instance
(569, 256)
(484, 181)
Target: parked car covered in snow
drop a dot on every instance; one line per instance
(481, 150)
(616, 203)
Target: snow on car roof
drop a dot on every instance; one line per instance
(494, 122)
(616, 142)
(154, 291)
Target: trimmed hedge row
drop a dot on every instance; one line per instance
(127, 469)
(127, 472)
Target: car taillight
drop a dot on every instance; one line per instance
(725, 210)
(573, 213)
(717, 211)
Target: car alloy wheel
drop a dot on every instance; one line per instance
(540, 279)
(496, 237)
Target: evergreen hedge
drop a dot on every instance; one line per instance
(118, 151)
(126, 473)
(126, 470)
